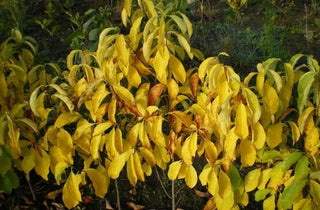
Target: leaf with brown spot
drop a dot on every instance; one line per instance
(154, 93)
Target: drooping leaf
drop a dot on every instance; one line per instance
(71, 195)
(191, 176)
(118, 163)
(148, 156)
(67, 118)
(301, 170)
(274, 135)
(131, 171)
(177, 69)
(42, 163)
(254, 104)
(259, 135)
(241, 124)
(291, 192)
(251, 180)
(261, 194)
(248, 153)
(269, 203)
(138, 167)
(270, 99)
(174, 169)
(304, 87)
(291, 159)
(124, 94)
(225, 188)
(315, 191)
(99, 180)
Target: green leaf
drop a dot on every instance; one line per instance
(301, 170)
(181, 24)
(5, 164)
(291, 192)
(234, 175)
(9, 181)
(304, 85)
(291, 159)
(261, 194)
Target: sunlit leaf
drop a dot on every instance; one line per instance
(225, 188)
(304, 86)
(118, 163)
(270, 99)
(131, 171)
(177, 69)
(174, 169)
(191, 176)
(248, 153)
(67, 118)
(124, 94)
(71, 195)
(241, 124)
(274, 135)
(269, 203)
(253, 104)
(99, 180)
(251, 180)
(148, 156)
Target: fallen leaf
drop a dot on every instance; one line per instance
(135, 206)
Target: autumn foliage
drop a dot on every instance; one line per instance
(132, 106)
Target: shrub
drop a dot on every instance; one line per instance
(132, 106)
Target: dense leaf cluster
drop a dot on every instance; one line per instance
(132, 106)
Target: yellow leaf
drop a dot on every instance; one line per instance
(99, 180)
(264, 178)
(124, 94)
(101, 128)
(303, 118)
(270, 99)
(193, 145)
(98, 96)
(118, 140)
(117, 164)
(138, 167)
(224, 185)
(94, 147)
(191, 176)
(133, 76)
(241, 124)
(185, 152)
(132, 136)
(295, 132)
(311, 141)
(274, 135)
(57, 164)
(213, 186)
(67, 101)
(203, 177)
(252, 179)
(154, 129)
(131, 172)
(173, 88)
(230, 144)
(188, 24)
(111, 144)
(112, 110)
(259, 135)
(248, 153)
(66, 118)
(143, 136)
(185, 44)
(65, 144)
(183, 169)
(177, 69)
(269, 203)
(149, 8)
(148, 156)
(28, 162)
(71, 195)
(206, 65)
(174, 169)
(127, 6)
(260, 79)
(253, 104)
(42, 163)
(160, 64)
(147, 169)
(162, 156)
(210, 152)
(134, 34)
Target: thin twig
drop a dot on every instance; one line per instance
(31, 190)
(118, 195)
(173, 204)
(164, 189)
